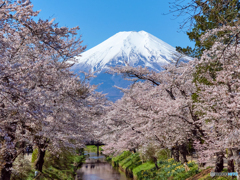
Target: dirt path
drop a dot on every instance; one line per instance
(201, 174)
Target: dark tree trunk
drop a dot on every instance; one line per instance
(133, 150)
(40, 160)
(22, 146)
(183, 153)
(97, 150)
(6, 170)
(9, 154)
(219, 162)
(175, 153)
(8, 160)
(81, 151)
(155, 162)
(202, 164)
(230, 161)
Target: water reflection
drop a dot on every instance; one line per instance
(96, 168)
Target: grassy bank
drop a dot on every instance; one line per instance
(92, 148)
(61, 167)
(64, 167)
(132, 165)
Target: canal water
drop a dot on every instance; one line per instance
(97, 168)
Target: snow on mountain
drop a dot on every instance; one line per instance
(136, 48)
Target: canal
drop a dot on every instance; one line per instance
(97, 168)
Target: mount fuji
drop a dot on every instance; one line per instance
(135, 48)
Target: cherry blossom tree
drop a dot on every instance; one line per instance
(75, 111)
(161, 108)
(41, 100)
(118, 128)
(218, 104)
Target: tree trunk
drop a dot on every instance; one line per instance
(7, 163)
(155, 162)
(133, 150)
(97, 150)
(81, 151)
(40, 159)
(219, 162)
(237, 161)
(230, 161)
(6, 170)
(183, 153)
(9, 155)
(175, 154)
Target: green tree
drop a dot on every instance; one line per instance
(204, 15)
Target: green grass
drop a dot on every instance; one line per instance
(34, 155)
(92, 148)
(131, 162)
(124, 161)
(116, 160)
(167, 168)
(143, 167)
(61, 167)
(132, 165)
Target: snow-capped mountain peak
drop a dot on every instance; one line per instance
(136, 48)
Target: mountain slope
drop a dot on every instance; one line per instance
(135, 48)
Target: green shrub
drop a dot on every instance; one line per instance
(163, 154)
(108, 159)
(151, 153)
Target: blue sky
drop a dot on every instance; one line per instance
(101, 19)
